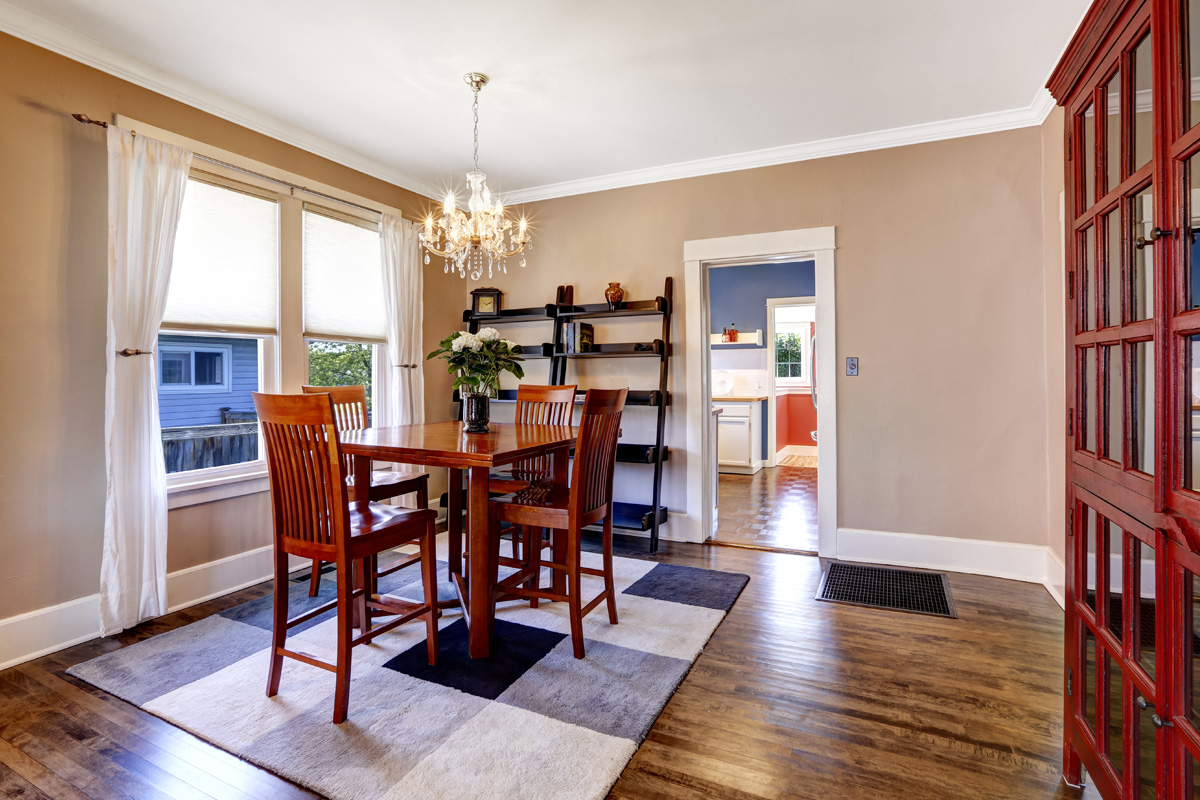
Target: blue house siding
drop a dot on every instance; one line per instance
(183, 408)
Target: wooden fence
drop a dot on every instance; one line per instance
(201, 446)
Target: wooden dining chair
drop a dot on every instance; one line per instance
(566, 510)
(350, 409)
(312, 518)
(536, 405)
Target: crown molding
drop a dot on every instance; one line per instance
(1033, 114)
(51, 36)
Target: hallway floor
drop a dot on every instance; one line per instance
(775, 508)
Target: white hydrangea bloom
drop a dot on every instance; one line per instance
(488, 335)
(510, 344)
(470, 341)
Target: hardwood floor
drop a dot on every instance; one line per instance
(774, 508)
(791, 699)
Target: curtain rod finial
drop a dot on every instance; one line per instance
(85, 119)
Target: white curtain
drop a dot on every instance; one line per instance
(402, 400)
(146, 182)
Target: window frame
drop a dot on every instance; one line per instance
(224, 387)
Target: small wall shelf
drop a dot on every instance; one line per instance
(743, 337)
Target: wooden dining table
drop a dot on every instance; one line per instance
(444, 444)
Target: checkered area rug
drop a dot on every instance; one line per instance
(528, 721)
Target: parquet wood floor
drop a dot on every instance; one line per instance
(791, 700)
(774, 508)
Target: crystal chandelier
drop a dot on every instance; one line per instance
(486, 237)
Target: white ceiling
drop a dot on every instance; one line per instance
(583, 96)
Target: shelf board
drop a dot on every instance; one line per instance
(640, 397)
(548, 311)
(631, 308)
(655, 349)
(629, 453)
(635, 516)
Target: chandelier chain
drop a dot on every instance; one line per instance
(475, 109)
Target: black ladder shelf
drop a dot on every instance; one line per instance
(626, 516)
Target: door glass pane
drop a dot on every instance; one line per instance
(1191, 276)
(1089, 678)
(1144, 566)
(1141, 368)
(1143, 120)
(1191, 411)
(1191, 51)
(1194, 780)
(1112, 132)
(1147, 766)
(1192, 596)
(1088, 161)
(1115, 565)
(1115, 377)
(1141, 276)
(1087, 272)
(1116, 715)
(1112, 268)
(1091, 552)
(1090, 406)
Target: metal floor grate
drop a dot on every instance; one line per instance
(888, 587)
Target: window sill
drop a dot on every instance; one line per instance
(187, 490)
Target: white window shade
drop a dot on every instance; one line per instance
(343, 279)
(225, 274)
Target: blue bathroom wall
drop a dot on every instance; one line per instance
(738, 295)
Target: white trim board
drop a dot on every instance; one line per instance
(795, 450)
(1028, 563)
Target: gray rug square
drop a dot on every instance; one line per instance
(612, 691)
(160, 665)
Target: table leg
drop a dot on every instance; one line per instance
(559, 459)
(454, 501)
(361, 493)
(481, 587)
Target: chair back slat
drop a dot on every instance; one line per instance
(541, 405)
(309, 500)
(596, 449)
(349, 409)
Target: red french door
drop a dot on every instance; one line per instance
(1133, 572)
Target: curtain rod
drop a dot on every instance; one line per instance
(85, 119)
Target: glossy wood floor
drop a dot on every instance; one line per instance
(776, 508)
(791, 699)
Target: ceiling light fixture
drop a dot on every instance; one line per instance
(487, 235)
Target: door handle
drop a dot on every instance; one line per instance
(1155, 234)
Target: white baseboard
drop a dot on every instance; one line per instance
(45, 630)
(795, 450)
(1029, 563)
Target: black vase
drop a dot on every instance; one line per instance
(478, 411)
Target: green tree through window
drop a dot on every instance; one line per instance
(340, 364)
(789, 355)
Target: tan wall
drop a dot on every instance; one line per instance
(52, 309)
(1056, 340)
(940, 295)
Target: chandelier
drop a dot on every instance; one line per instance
(487, 235)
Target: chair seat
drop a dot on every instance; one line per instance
(381, 527)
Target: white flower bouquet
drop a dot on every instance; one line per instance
(477, 359)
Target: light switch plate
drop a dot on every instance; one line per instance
(852, 366)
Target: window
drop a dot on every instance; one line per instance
(791, 355)
(344, 321)
(194, 368)
(220, 321)
(342, 364)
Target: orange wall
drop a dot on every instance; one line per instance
(795, 419)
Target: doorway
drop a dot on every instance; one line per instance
(703, 259)
(760, 349)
